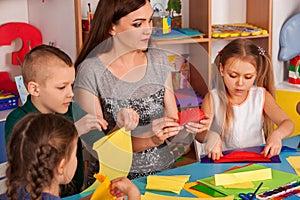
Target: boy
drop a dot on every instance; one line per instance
(48, 75)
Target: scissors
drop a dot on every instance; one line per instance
(250, 195)
(247, 196)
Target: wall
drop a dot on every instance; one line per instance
(282, 10)
(11, 11)
(56, 21)
(54, 18)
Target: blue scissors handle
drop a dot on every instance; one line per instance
(245, 196)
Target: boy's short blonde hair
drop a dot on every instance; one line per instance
(38, 59)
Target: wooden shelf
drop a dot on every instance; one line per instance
(180, 41)
(248, 37)
(258, 13)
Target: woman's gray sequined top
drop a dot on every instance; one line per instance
(145, 96)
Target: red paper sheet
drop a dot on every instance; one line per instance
(238, 156)
(190, 115)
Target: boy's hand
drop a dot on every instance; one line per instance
(90, 122)
(164, 128)
(123, 186)
(128, 118)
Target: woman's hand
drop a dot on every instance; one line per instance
(127, 118)
(273, 145)
(123, 186)
(90, 122)
(164, 128)
(193, 127)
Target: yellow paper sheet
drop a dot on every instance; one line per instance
(240, 177)
(167, 183)
(115, 154)
(102, 191)
(245, 185)
(152, 196)
(295, 163)
(197, 193)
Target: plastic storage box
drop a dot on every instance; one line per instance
(8, 100)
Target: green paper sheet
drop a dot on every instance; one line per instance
(279, 178)
(207, 190)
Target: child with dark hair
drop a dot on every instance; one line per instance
(42, 154)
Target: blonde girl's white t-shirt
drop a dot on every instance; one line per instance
(247, 130)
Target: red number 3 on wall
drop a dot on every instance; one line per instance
(29, 35)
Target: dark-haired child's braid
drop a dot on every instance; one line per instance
(41, 171)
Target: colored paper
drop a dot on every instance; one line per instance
(208, 190)
(295, 163)
(279, 178)
(188, 187)
(190, 115)
(243, 156)
(240, 185)
(119, 145)
(166, 183)
(103, 190)
(152, 196)
(241, 177)
(255, 149)
(115, 154)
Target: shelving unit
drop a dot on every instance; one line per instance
(258, 13)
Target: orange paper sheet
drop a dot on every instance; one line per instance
(103, 190)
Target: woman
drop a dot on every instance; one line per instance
(117, 71)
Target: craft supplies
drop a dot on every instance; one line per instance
(236, 30)
(281, 192)
(279, 178)
(250, 195)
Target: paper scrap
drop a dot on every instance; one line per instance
(103, 190)
(240, 177)
(295, 163)
(188, 187)
(167, 183)
(151, 196)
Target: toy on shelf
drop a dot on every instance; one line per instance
(289, 38)
(7, 84)
(177, 34)
(236, 30)
(8, 100)
(294, 74)
(28, 33)
(290, 47)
